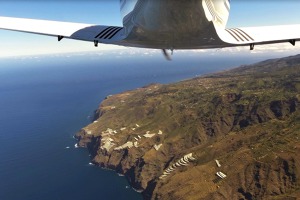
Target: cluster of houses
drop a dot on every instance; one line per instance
(107, 142)
(137, 139)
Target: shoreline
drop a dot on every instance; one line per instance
(166, 138)
(102, 167)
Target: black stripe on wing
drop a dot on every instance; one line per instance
(239, 35)
(108, 33)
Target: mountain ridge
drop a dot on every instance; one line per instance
(247, 118)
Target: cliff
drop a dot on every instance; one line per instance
(166, 138)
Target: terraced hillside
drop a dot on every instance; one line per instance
(247, 118)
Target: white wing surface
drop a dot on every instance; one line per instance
(260, 35)
(218, 13)
(77, 31)
(115, 35)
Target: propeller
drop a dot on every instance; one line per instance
(166, 54)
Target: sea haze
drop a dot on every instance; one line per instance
(45, 100)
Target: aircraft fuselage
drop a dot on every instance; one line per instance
(172, 24)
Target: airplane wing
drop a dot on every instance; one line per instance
(115, 35)
(77, 31)
(259, 35)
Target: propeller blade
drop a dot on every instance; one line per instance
(167, 56)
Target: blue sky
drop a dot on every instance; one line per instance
(106, 12)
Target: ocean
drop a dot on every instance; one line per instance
(45, 100)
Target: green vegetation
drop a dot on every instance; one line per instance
(248, 118)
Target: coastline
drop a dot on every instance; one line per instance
(103, 166)
(149, 133)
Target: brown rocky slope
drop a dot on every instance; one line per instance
(166, 138)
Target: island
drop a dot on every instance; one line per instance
(229, 135)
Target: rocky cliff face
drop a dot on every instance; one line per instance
(247, 119)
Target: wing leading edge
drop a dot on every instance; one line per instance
(78, 31)
(260, 35)
(115, 35)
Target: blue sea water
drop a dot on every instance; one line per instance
(45, 100)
